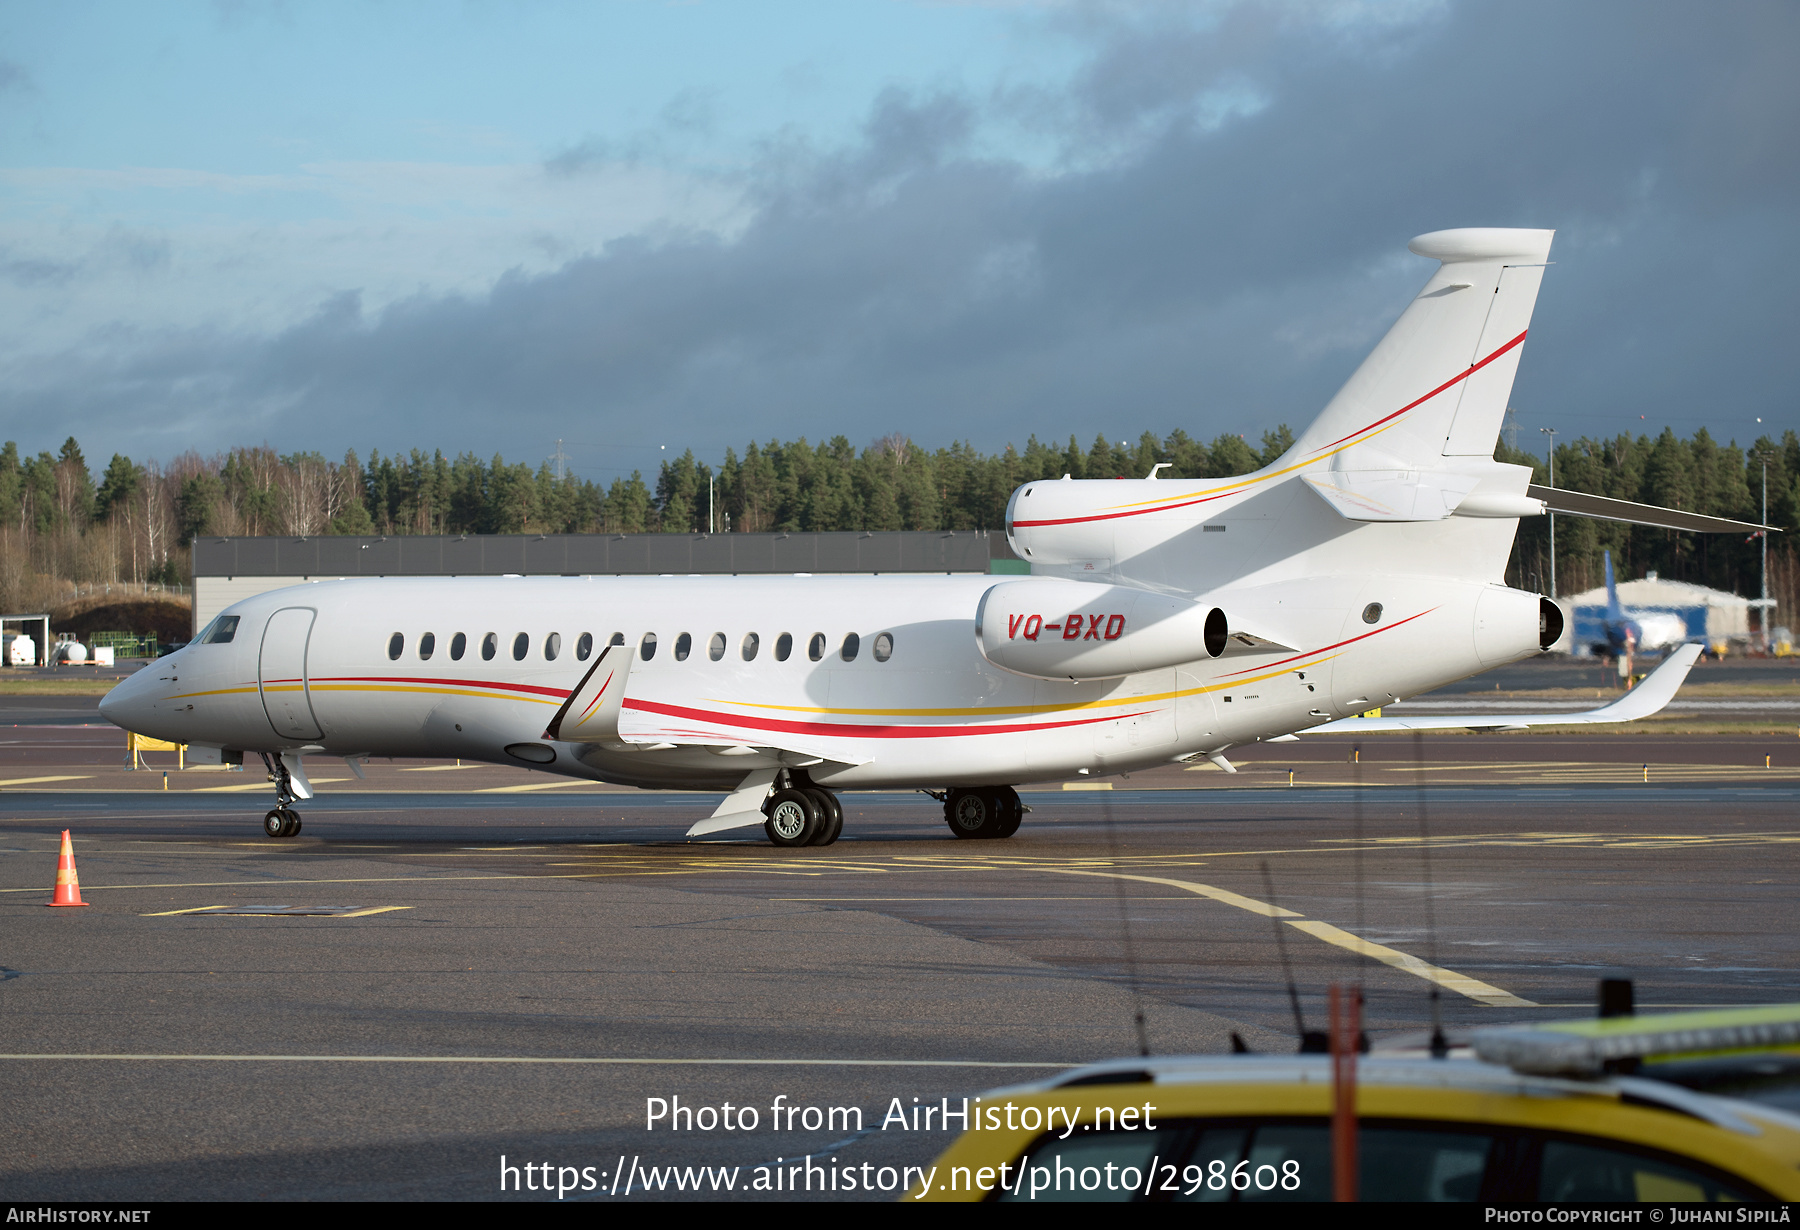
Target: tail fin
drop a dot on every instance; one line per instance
(1614, 612)
(1436, 386)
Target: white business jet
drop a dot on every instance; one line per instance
(1163, 620)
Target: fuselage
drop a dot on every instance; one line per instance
(868, 681)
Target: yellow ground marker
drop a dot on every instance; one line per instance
(1450, 980)
(205, 909)
(573, 781)
(441, 768)
(246, 787)
(32, 781)
(1087, 785)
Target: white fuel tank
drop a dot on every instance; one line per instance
(1076, 630)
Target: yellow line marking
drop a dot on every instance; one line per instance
(572, 781)
(28, 781)
(1222, 895)
(1474, 988)
(95, 888)
(247, 786)
(199, 909)
(445, 768)
(572, 1059)
(1087, 785)
(207, 909)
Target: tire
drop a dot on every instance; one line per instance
(294, 827)
(1012, 812)
(275, 823)
(831, 816)
(793, 818)
(974, 814)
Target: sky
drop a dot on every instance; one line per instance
(643, 227)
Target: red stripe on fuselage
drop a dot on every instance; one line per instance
(1313, 653)
(848, 730)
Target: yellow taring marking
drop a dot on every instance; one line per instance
(1087, 785)
(440, 768)
(572, 1059)
(1474, 988)
(28, 781)
(571, 781)
(248, 786)
(207, 909)
(1223, 895)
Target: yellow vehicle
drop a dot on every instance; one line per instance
(1679, 1107)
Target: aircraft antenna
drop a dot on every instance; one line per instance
(1309, 1042)
(1440, 1047)
(1131, 966)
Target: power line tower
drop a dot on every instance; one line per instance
(561, 462)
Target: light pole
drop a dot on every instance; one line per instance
(1762, 619)
(1551, 432)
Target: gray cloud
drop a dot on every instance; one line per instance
(1220, 244)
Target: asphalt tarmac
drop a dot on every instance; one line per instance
(548, 958)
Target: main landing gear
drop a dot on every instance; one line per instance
(982, 812)
(283, 821)
(802, 814)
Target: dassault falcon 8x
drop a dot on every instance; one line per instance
(1163, 620)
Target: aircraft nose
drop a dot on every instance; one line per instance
(125, 706)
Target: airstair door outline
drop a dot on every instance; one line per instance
(282, 674)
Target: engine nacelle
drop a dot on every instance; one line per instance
(1511, 624)
(1077, 630)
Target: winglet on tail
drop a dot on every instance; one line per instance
(1614, 612)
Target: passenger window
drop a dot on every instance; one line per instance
(684, 645)
(884, 647)
(852, 643)
(221, 630)
(584, 646)
(815, 648)
(1585, 1172)
(427, 646)
(715, 648)
(490, 645)
(618, 638)
(647, 646)
(396, 646)
(751, 641)
(459, 645)
(784, 647)
(521, 647)
(552, 646)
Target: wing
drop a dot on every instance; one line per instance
(1649, 697)
(591, 714)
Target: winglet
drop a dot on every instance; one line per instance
(591, 714)
(1649, 697)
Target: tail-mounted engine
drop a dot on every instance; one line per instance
(1078, 630)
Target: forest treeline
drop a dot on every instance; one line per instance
(61, 526)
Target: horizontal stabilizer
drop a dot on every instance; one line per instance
(1600, 508)
(591, 714)
(1649, 697)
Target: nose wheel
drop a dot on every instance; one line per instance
(283, 821)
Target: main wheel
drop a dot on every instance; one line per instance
(275, 823)
(1012, 812)
(831, 816)
(293, 828)
(793, 818)
(974, 814)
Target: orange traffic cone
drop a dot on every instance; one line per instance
(68, 888)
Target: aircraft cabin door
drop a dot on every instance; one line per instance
(282, 674)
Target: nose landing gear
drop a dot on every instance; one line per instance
(283, 821)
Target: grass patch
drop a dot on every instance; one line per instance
(73, 686)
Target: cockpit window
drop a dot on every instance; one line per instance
(220, 631)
